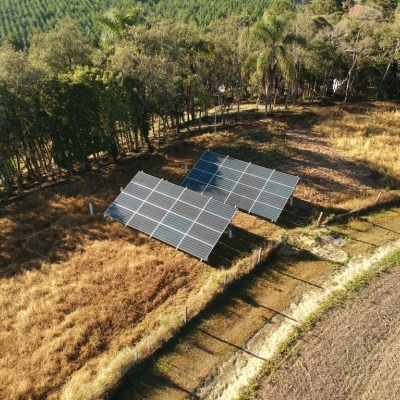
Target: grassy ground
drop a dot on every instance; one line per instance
(219, 344)
(363, 325)
(79, 295)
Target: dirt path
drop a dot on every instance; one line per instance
(241, 368)
(352, 353)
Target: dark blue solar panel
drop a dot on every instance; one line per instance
(219, 159)
(190, 183)
(205, 177)
(212, 168)
(138, 191)
(242, 184)
(216, 193)
(193, 198)
(198, 186)
(175, 221)
(196, 247)
(201, 165)
(129, 202)
(222, 183)
(118, 213)
(168, 235)
(208, 156)
(142, 223)
(266, 211)
(161, 200)
(179, 217)
(195, 173)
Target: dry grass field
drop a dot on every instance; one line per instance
(80, 295)
(352, 353)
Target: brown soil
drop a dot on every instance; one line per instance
(352, 353)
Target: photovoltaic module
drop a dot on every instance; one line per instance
(258, 190)
(178, 216)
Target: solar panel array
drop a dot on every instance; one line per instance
(256, 189)
(175, 215)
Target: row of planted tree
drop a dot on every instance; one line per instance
(63, 102)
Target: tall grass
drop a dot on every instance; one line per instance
(371, 137)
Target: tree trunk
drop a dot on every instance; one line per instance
(387, 69)
(288, 98)
(351, 70)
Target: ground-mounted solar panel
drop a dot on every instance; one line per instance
(258, 190)
(178, 216)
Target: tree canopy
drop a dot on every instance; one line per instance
(66, 101)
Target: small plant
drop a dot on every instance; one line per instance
(250, 392)
(284, 237)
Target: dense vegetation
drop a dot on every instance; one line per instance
(64, 101)
(19, 19)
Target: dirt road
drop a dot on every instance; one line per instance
(352, 353)
(347, 331)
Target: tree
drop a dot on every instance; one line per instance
(73, 104)
(269, 54)
(114, 24)
(390, 45)
(326, 6)
(62, 49)
(356, 40)
(24, 121)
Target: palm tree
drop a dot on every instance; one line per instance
(114, 24)
(270, 38)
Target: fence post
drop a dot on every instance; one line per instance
(121, 189)
(319, 218)
(91, 208)
(185, 317)
(215, 119)
(379, 195)
(259, 255)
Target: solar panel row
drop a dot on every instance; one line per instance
(193, 216)
(175, 215)
(256, 189)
